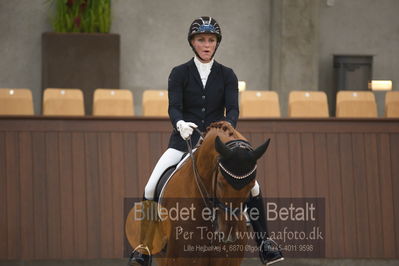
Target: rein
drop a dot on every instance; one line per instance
(200, 184)
(209, 201)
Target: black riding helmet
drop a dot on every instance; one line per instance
(204, 25)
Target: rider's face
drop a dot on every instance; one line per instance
(205, 45)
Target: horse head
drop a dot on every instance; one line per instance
(236, 163)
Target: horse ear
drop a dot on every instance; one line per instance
(221, 148)
(258, 152)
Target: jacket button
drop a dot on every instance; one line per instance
(203, 97)
(203, 109)
(202, 121)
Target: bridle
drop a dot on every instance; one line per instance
(213, 201)
(243, 145)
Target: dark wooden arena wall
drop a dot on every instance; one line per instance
(63, 181)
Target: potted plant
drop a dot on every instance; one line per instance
(82, 16)
(80, 53)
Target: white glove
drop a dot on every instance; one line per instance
(185, 128)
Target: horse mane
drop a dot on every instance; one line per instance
(206, 149)
(223, 128)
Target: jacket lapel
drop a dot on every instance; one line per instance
(214, 73)
(194, 71)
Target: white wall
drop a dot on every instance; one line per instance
(21, 25)
(153, 39)
(360, 27)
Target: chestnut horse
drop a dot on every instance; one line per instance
(218, 178)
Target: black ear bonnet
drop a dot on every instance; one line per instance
(239, 167)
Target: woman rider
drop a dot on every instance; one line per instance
(199, 93)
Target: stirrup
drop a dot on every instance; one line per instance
(270, 253)
(269, 241)
(145, 259)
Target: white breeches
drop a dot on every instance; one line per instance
(255, 190)
(169, 158)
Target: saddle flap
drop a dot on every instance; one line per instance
(162, 181)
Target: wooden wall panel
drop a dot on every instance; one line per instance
(306, 150)
(93, 194)
(348, 196)
(3, 199)
(296, 184)
(295, 169)
(118, 186)
(79, 196)
(308, 165)
(270, 182)
(321, 170)
(26, 193)
(66, 190)
(53, 192)
(283, 165)
(13, 194)
(63, 181)
(155, 144)
(40, 199)
(143, 161)
(258, 139)
(385, 186)
(395, 183)
(334, 197)
(373, 195)
(361, 210)
(283, 170)
(106, 215)
(131, 166)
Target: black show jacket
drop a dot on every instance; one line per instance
(191, 102)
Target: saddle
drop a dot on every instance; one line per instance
(166, 175)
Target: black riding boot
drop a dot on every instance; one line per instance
(138, 255)
(269, 252)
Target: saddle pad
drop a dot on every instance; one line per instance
(167, 175)
(162, 181)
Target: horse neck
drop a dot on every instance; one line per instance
(206, 159)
